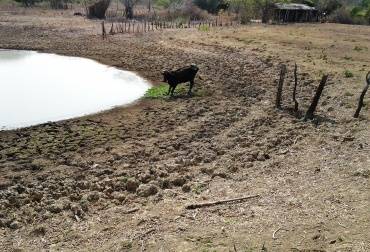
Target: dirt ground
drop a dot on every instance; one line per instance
(121, 180)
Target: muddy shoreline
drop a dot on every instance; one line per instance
(120, 180)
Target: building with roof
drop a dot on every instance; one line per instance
(291, 12)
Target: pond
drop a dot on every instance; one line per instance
(40, 87)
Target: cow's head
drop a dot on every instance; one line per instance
(165, 74)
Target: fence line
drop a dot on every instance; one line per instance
(132, 26)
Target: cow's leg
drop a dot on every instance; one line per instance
(169, 89)
(173, 90)
(191, 87)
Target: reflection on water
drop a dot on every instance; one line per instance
(39, 87)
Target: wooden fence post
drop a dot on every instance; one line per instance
(361, 99)
(311, 110)
(296, 105)
(280, 86)
(104, 34)
(111, 32)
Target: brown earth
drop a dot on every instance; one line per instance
(120, 180)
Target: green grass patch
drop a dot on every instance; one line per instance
(157, 91)
(348, 74)
(359, 48)
(203, 28)
(160, 91)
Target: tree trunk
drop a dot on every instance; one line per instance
(129, 12)
(98, 9)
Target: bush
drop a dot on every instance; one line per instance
(212, 6)
(58, 4)
(183, 11)
(341, 15)
(164, 3)
(348, 74)
(157, 91)
(203, 28)
(98, 9)
(27, 3)
(329, 6)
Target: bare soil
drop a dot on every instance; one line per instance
(120, 180)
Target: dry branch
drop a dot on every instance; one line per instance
(219, 202)
(280, 86)
(311, 110)
(133, 210)
(362, 96)
(275, 232)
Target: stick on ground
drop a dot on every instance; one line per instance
(361, 99)
(219, 202)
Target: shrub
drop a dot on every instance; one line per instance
(212, 6)
(203, 28)
(98, 9)
(183, 11)
(58, 4)
(27, 3)
(194, 12)
(341, 15)
(348, 74)
(156, 91)
(329, 6)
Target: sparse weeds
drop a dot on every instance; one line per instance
(160, 91)
(359, 48)
(348, 73)
(203, 28)
(157, 91)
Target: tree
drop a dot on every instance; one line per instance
(98, 9)
(328, 6)
(27, 3)
(209, 5)
(248, 9)
(129, 8)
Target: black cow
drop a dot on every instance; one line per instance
(182, 75)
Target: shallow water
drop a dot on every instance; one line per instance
(39, 87)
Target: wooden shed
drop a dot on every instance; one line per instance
(291, 12)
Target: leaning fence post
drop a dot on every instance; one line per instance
(311, 110)
(361, 99)
(111, 32)
(280, 86)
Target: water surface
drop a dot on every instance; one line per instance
(39, 87)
